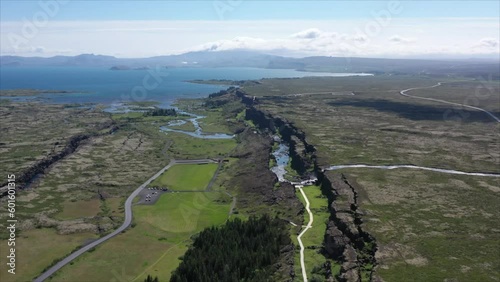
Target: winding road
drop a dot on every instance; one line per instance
(389, 167)
(125, 225)
(309, 225)
(403, 92)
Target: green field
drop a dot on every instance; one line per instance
(36, 249)
(213, 122)
(179, 213)
(187, 147)
(188, 126)
(160, 235)
(186, 177)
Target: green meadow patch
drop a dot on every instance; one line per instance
(186, 177)
(160, 235)
(313, 238)
(180, 213)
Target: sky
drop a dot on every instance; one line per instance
(392, 29)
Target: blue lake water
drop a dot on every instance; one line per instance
(104, 86)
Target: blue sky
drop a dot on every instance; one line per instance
(246, 10)
(291, 28)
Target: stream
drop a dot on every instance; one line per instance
(282, 157)
(198, 132)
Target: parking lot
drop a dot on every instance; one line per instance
(150, 195)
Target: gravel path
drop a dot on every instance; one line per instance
(309, 225)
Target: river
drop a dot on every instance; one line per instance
(198, 132)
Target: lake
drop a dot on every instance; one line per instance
(104, 86)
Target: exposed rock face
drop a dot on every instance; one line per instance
(335, 241)
(350, 267)
(256, 189)
(345, 241)
(345, 234)
(301, 153)
(253, 153)
(26, 177)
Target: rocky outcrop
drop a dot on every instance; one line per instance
(302, 154)
(257, 192)
(345, 240)
(335, 241)
(26, 178)
(256, 181)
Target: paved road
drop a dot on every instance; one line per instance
(309, 225)
(403, 92)
(449, 171)
(126, 223)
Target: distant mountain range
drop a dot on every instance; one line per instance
(242, 58)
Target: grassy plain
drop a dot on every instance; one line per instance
(428, 226)
(186, 177)
(160, 235)
(81, 196)
(186, 147)
(77, 209)
(83, 193)
(188, 126)
(32, 131)
(379, 126)
(213, 122)
(179, 214)
(480, 93)
(431, 226)
(36, 249)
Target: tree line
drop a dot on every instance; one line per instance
(237, 251)
(160, 112)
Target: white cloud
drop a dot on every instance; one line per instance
(489, 42)
(39, 49)
(296, 38)
(400, 39)
(308, 34)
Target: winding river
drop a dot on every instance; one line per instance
(198, 132)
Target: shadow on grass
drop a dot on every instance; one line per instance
(419, 112)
